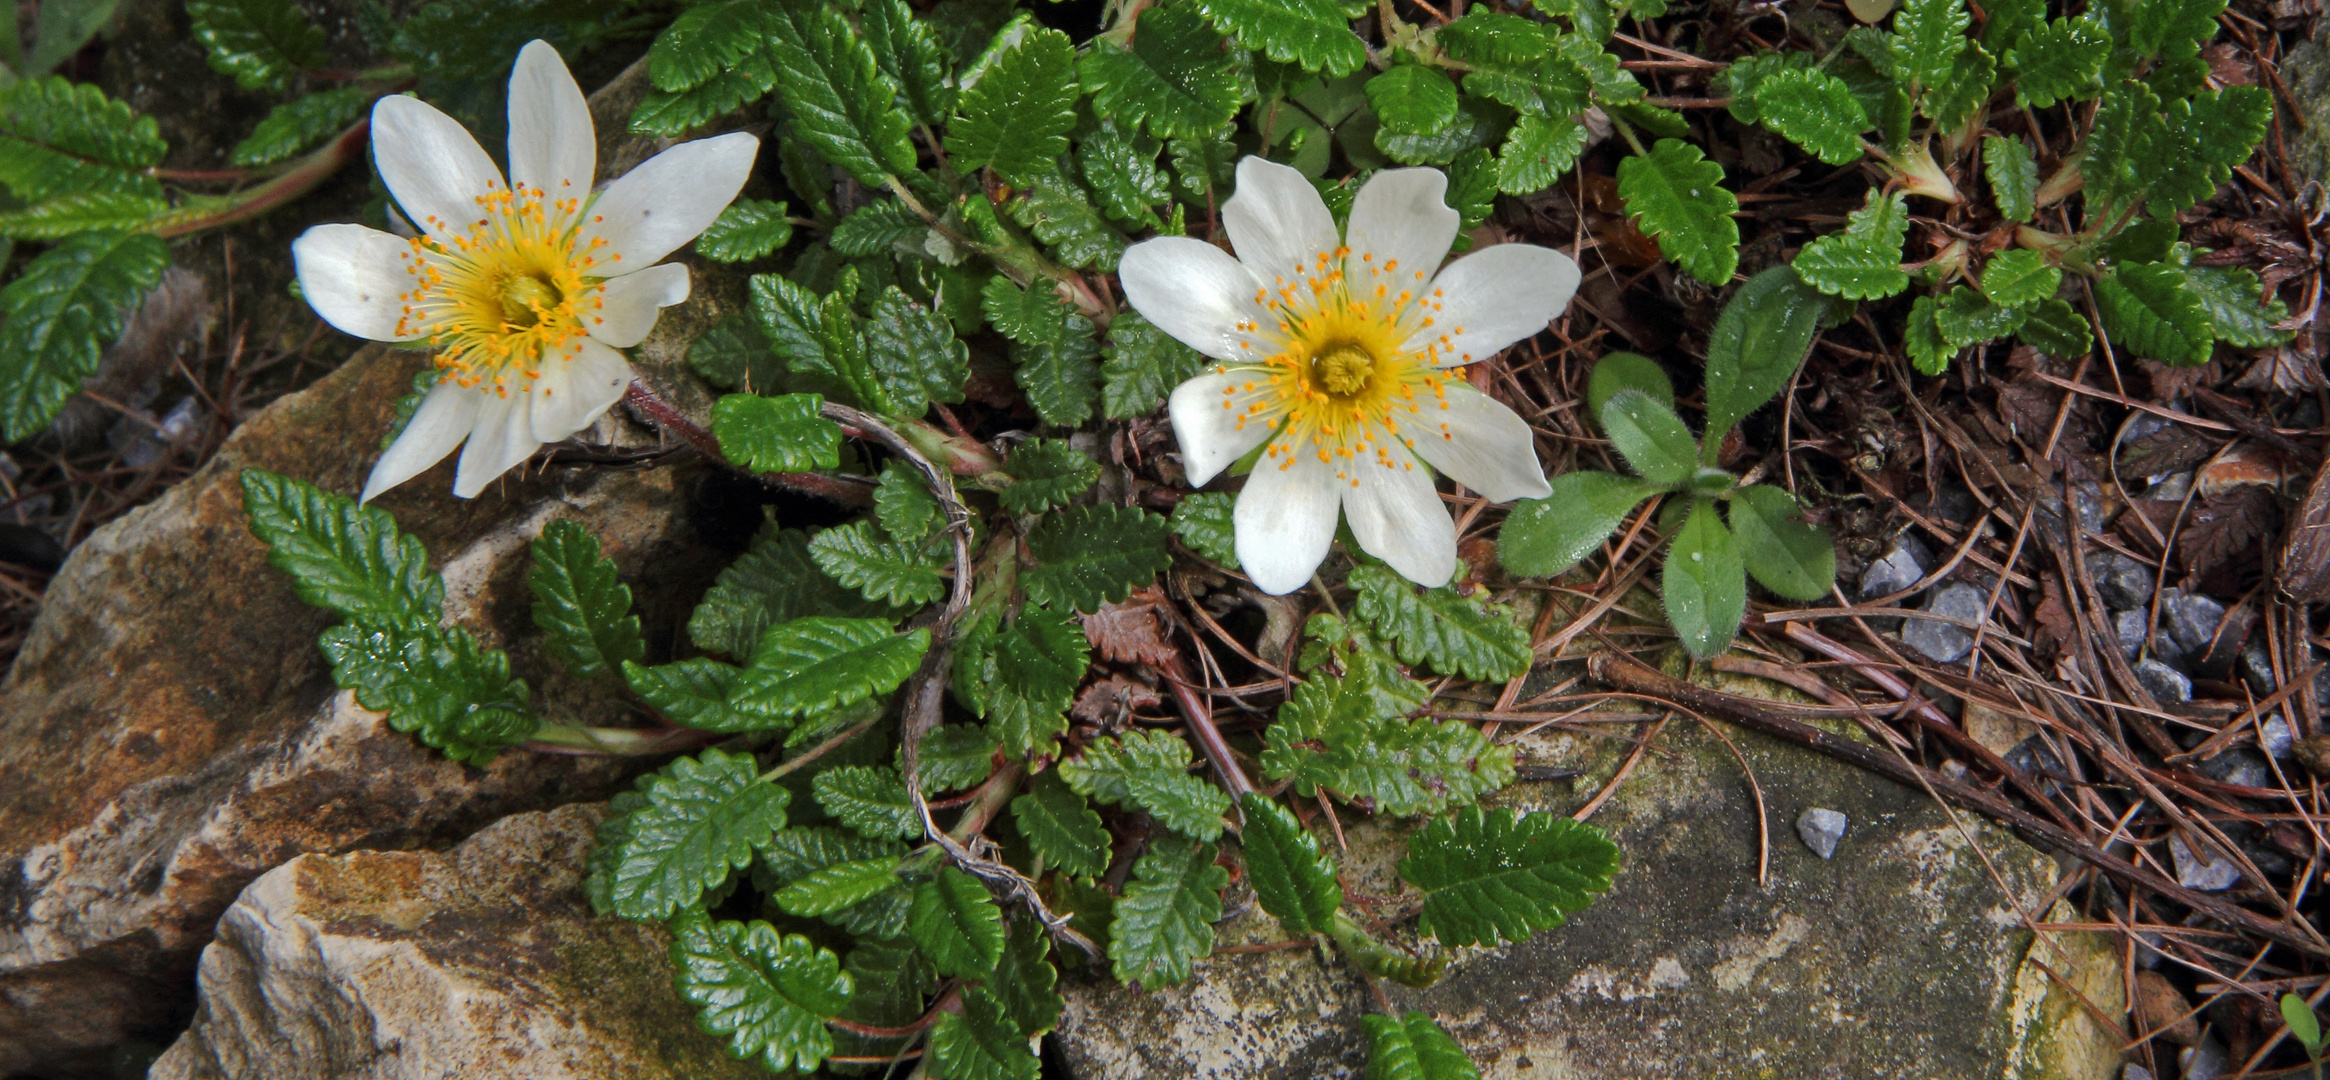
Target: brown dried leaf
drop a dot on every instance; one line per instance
(1133, 631)
(2171, 449)
(1109, 699)
(2056, 628)
(2285, 370)
(2224, 536)
(2305, 561)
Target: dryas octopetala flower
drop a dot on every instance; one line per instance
(525, 288)
(1345, 355)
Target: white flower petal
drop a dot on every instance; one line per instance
(667, 200)
(632, 301)
(572, 394)
(355, 277)
(1277, 221)
(1210, 435)
(1397, 517)
(431, 164)
(1195, 292)
(1478, 442)
(553, 144)
(503, 438)
(1493, 298)
(1400, 221)
(439, 423)
(1285, 521)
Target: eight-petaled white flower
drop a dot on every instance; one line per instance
(527, 287)
(1345, 355)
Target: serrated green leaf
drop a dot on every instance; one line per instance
(957, 925)
(1551, 87)
(1025, 981)
(912, 353)
(1143, 365)
(2013, 175)
(1056, 210)
(735, 355)
(1203, 165)
(1760, 340)
(437, 684)
(1291, 878)
(1863, 262)
(1347, 734)
(1705, 582)
(703, 42)
(2228, 124)
(1650, 437)
(1455, 634)
(954, 756)
(1537, 152)
(1612, 83)
(2061, 60)
(812, 664)
(1792, 558)
(1472, 188)
(2126, 126)
(671, 114)
(1124, 177)
(794, 855)
(1204, 522)
(81, 213)
(1921, 338)
(1741, 80)
(1679, 199)
(1413, 1048)
(1412, 98)
(838, 887)
(342, 557)
(769, 994)
(1015, 119)
(1966, 317)
(580, 604)
(63, 308)
(2056, 328)
(702, 820)
(2020, 277)
(1488, 36)
(1954, 103)
(904, 505)
(870, 799)
(1313, 33)
(1087, 556)
(264, 44)
(877, 228)
(1052, 349)
(1046, 473)
(1023, 677)
(1148, 770)
(1487, 876)
(1544, 537)
(694, 693)
(1928, 36)
(841, 102)
(1061, 827)
(2148, 309)
(891, 571)
(908, 51)
(1175, 80)
(300, 123)
(749, 229)
(2239, 312)
(1815, 110)
(980, 1043)
(1164, 918)
(776, 434)
(774, 582)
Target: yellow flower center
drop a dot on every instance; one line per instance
(507, 292)
(1350, 370)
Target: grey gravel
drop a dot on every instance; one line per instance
(2275, 736)
(2167, 685)
(2190, 620)
(2135, 1072)
(2241, 766)
(2121, 581)
(1902, 566)
(2170, 488)
(2208, 1061)
(2193, 872)
(1821, 829)
(1941, 642)
(2129, 626)
(2256, 669)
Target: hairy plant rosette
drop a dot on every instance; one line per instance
(525, 287)
(1344, 357)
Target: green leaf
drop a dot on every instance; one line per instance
(957, 925)
(1863, 262)
(862, 894)
(1472, 188)
(1125, 178)
(342, 557)
(1061, 827)
(980, 1043)
(769, 994)
(2148, 309)
(813, 664)
(1315, 34)
(954, 756)
(1291, 879)
(904, 505)
(1921, 338)
(775, 582)
(1650, 437)
(1928, 36)
(912, 353)
(1052, 349)
(735, 355)
(1412, 98)
(1746, 75)
(2126, 128)
(1204, 522)
(909, 52)
(1816, 111)
(870, 799)
(891, 571)
(1789, 557)
(1487, 876)
(1175, 79)
(835, 888)
(1056, 210)
(1537, 152)
(2019, 277)
(1705, 582)
(776, 434)
(1413, 1048)
(1678, 196)
(437, 684)
(1544, 537)
(581, 604)
(264, 44)
(1623, 371)
(1383, 961)
(1454, 633)
(703, 818)
(694, 693)
(2057, 329)
(1143, 365)
(2303, 1025)
(71, 214)
(1953, 104)
(841, 102)
(671, 114)
(2239, 312)
(2061, 60)
(300, 123)
(703, 42)
(1087, 556)
(2228, 124)
(878, 227)
(1148, 770)
(890, 981)
(749, 229)
(1046, 473)
(62, 309)
(2013, 175)
(1487, 36)
(1164, 918)
(1016, 117)
(1025, 981)
(1022, 678)
(1759, 341)
(1346, 734)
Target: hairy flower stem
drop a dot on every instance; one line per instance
(576, 739)
(1201, 727)
(668, 418)
(312, 170)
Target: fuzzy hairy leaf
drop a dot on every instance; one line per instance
(1413, 1047)
(1650, 437)
(703, 818)
(1174, 80)
(841, 102)
(890, 571)
(1046, 473)
(1346, 734)
(776, 434)
(1814, 110)
(2013, 175)
(774, 582)
(1148, 770)
(1061, 827)
(300, 123)
(342, 557)
(2148, 309)
(1792, 558)
(581, 604)
(1455, 634)
(2061, 60)
(1052, 349)
(749, 229)
(813, 664)
(2020, 277)
(1760, 340)
(1291, 878)
(957, 925)
(1862, 262)
(1490, 877)
(437, 684)
(1057, 211)
(1705, 583)
(63, 308)
(264, 44)
(1544, 537)
(1087, 556)
(1016, 118)
(870, 799)
(1164, 918)
(693, 693)
(1315, 34)
(1143, 365)
(1624, 371)
(769, 994)
(1678, 197)
(980, 1043)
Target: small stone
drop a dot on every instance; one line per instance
(2257, 669)
(2190, 620)
(2142, 424)
(2172, 487)
(2135, 1072)
(2167, 685)
(2208, 1061)
(1941, 642)
(2275, 737)
(2121, 581)
(2161, 1007)
(2128, 627)
(2086, 501)
(1821, 829)
(1903, 565)
(2244, 767)
(2213, 875)
(2313, 752)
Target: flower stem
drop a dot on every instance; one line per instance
(311, 171)
(556, 738)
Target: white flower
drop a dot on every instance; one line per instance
(527, 287)
(1345, 355)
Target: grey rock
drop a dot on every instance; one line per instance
(2190, 621)
(2275, 737)
(2256, 669)
(2242, 766)
(2170, 487)
(2121, 581)
(2129, 627)
(1941, 642)
(2209, 873)
(2142, 424)
(1821, 829)
(2208, 1061)
(1903, 565)
(2087, 502)
(2136, 1072)
(2167, 685)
